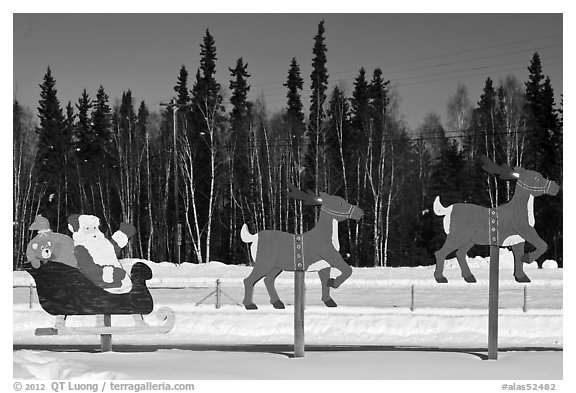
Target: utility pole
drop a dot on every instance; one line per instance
(177, 226)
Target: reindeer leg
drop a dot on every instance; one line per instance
(249, 282)
(324, 275)
(269, 281)
(518, 251)
(461, 256)
(532, 237)
(336, 260)
(440, 258)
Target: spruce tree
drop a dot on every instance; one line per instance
(98, 169)
(183, 100)
(240, 88)
(84, 138)
(52, 148)
(206, 116)
(319, 80)
(101, 128)
(181, 88)
(294, 128)
(361, 105)
(378, 91)
(142, 119)
(240, 171)
(544, 135)
(294, 116)
(488, 142)
(536, 136)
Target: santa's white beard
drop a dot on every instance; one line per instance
(100, 248)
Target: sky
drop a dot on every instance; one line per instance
(424, 56)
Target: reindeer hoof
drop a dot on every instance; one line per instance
(523, 278)
(441, 279)
(279, 305)
(470, 279)
(330, 303)
(251, 306)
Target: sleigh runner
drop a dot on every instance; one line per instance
(164, 314)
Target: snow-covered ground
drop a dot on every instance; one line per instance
(275, 363)
(357, 340)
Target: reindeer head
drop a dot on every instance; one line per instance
(531, 181)
(333, 205)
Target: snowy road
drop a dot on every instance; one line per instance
(275, 362)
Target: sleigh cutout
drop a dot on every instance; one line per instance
(64, 291)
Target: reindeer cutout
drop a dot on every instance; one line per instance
(508, 225)
(276, 251)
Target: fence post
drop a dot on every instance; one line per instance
(218, 293)
(31, 296)
(525, 302)
(412, 298)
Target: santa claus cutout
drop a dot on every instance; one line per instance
(97, 256)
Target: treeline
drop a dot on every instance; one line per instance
(233, 166)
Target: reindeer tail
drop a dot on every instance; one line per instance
(440, 210)
(246, 236)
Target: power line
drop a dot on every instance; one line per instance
(444, 55)
(432, 80)
(388, 72)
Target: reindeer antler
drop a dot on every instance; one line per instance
(504, 171)
(309, 198)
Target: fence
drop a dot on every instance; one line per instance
(412, 297)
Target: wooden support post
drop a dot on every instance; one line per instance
(299, 301)
(106, 339)
(493, 303)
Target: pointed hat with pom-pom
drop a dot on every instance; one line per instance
(40, 224)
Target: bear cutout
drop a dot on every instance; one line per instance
(48, 246)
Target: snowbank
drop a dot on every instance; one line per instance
(234, 325)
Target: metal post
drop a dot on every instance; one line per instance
(218, 293)
(525, 301)
(106, 339)
(493, 303)
(299, 301)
